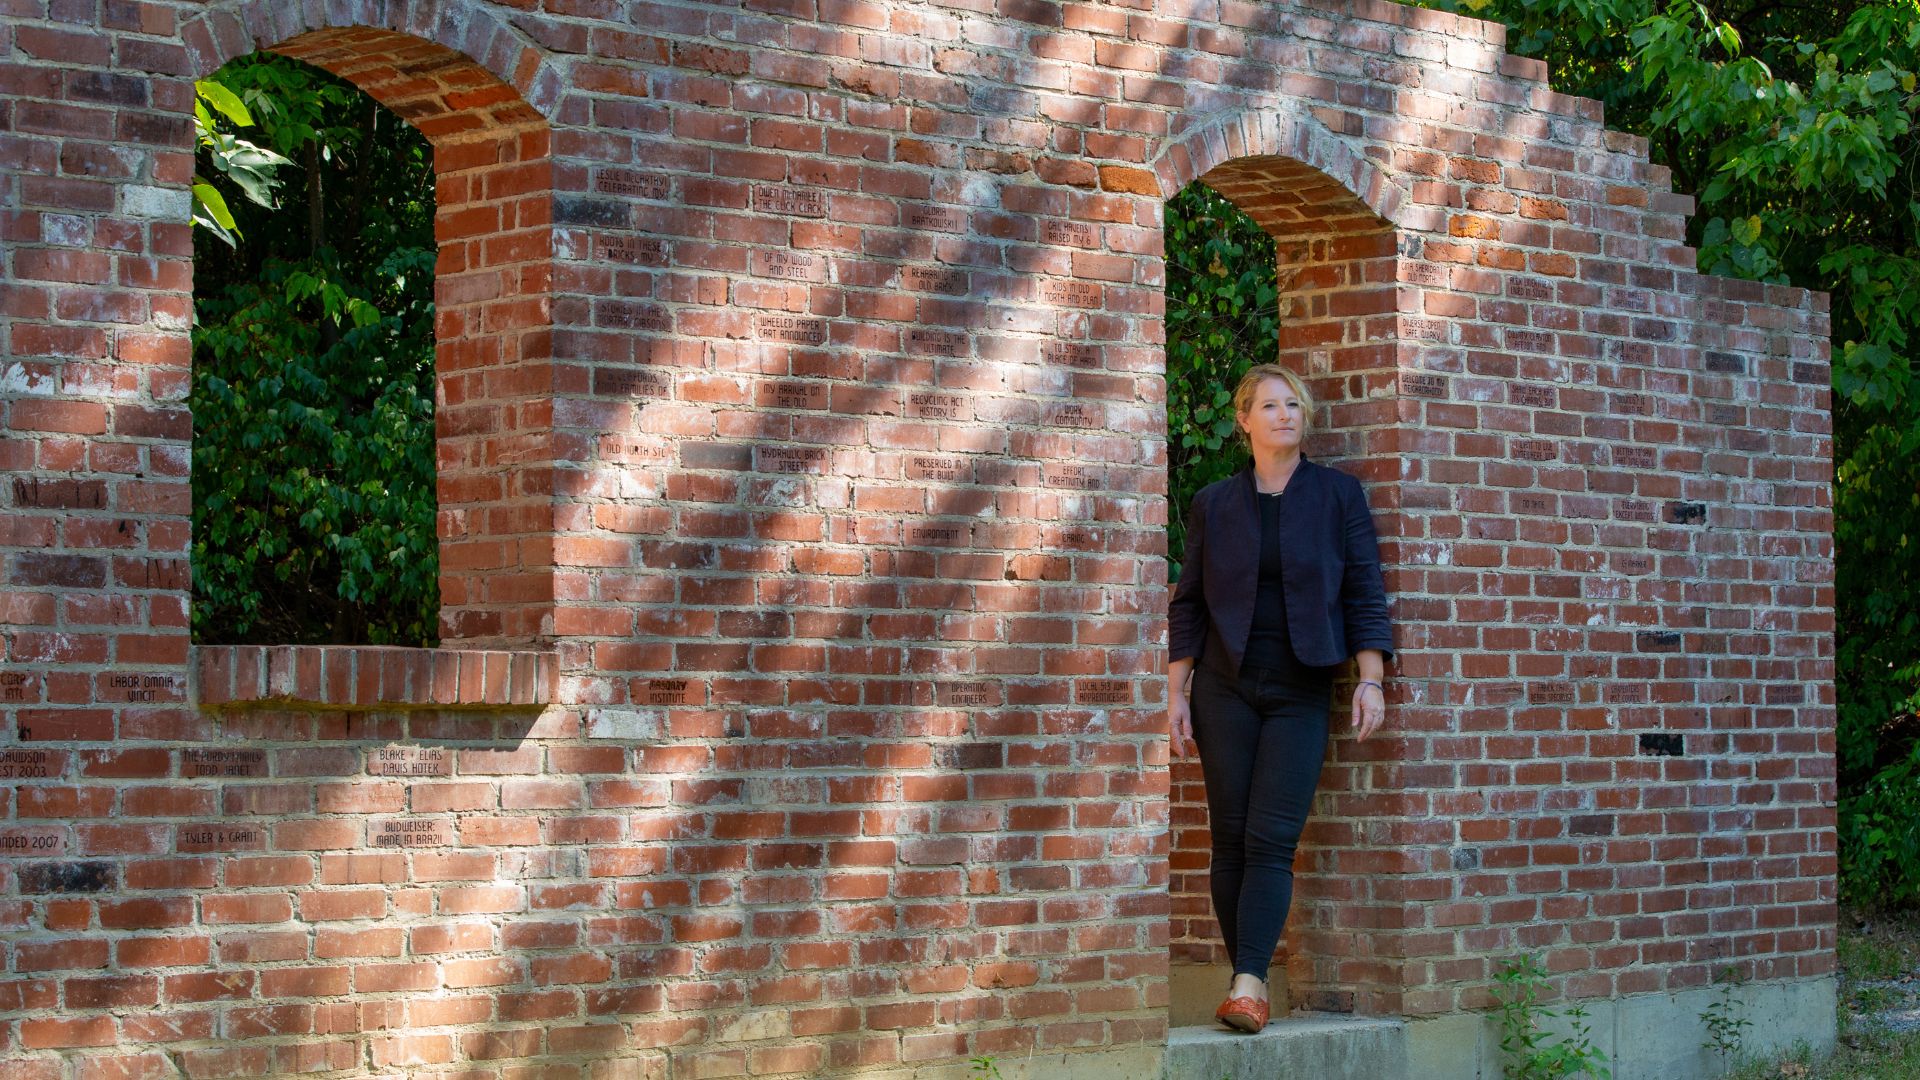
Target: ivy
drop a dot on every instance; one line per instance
(1222, 317)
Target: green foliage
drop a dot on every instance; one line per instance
(1531, 1054)
(1726, 1024)
(1223, 316)
(250, 168)
(1879, 833)
(313, 456)
(983, 1068)
(1793, 127)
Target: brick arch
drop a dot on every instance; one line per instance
(224, 31)
(493, 174)
(1338, 281)
(1340, 220)
(1231, 140)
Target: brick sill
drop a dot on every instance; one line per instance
(372, 676)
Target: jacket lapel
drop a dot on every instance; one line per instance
(1298, 525)
(1244, 515)
(1234, 562)
(1241, 520)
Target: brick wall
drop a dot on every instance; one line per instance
(802, 505)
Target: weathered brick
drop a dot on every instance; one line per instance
(802, 502)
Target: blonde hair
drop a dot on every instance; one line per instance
(1250, 384)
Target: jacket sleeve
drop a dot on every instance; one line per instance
(1363, 591)
(1187, 610)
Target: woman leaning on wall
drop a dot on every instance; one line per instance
(1280, 586)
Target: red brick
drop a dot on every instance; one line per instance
(53, 1033)
(817, 455)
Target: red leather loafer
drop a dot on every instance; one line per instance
(1243, 1014)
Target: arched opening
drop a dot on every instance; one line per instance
(491, 177)
(1335, 281)
(313, 367)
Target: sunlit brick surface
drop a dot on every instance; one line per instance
(802, 473)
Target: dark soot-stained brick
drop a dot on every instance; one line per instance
(1658, 640)
(67, 877)
(577, 210)
(1663, 744)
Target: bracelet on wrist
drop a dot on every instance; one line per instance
(1375, 685)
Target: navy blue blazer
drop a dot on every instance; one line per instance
(1336, 599)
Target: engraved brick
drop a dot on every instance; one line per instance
(1633, 457)
(223, 763)
(796, 201)
(622, 315)
(410, 761)
(934, 279)
(791, 329)
(789, 265)
(936, 405)
(667, 691)
(402, 833)
(632, 382)
(201, 838)
(1070, 293)
(32, 842)
(1076, 477)
(1422, 384)
(941, 468)
(790, 459)
(1072, 414)
(1104, 692)
(936, 218)
(787, 394)
(47, 493)
(1068, 354)
(635, 185)
(1073, 233)
(632, 251)
(1550, 693)
(929, 342)
(969, 695)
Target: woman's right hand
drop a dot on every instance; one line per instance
(1180, 723)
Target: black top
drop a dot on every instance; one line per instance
(1335, 601)
(1269, 645)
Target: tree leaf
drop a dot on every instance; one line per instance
(224, 100)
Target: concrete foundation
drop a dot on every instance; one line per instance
(1644, 1037)
(1320, 1046)
(1126, 1063)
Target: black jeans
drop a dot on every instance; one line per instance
(1263, 738)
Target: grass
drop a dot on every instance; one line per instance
(1879, 957)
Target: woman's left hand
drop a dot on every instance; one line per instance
(1369, 708)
